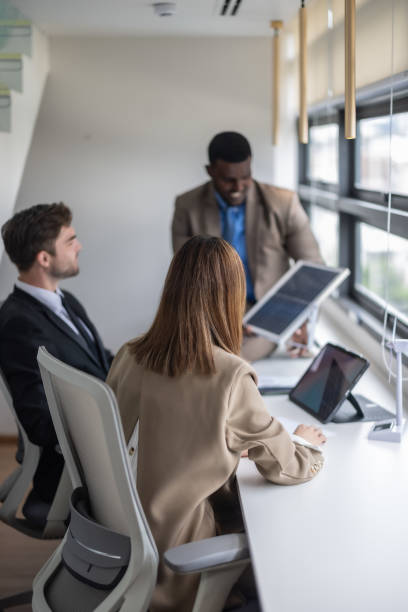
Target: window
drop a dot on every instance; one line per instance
(323, 153)
(372, 158)
(345, 185)
(382, 270)
(325, 226)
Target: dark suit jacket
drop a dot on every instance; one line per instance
(25, 325)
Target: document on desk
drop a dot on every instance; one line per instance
(290, 425)
(277, 384)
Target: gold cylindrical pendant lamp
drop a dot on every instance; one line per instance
(277, 26)
(350, 72)
(303, 124)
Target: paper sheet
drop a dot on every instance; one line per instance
(277, 382)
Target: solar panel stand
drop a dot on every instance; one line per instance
(311, 321)
(311, 328)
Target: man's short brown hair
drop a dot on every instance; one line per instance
(33, 230)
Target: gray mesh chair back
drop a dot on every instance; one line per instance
(14, 489)
(89, 431)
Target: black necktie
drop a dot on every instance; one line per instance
(83, 334)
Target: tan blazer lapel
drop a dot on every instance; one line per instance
(210, 221)
(252, 212)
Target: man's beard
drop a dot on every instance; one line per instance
(60, 273)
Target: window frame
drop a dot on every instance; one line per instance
(362, 297)
(331, 210)
(316, 120)
(370, 111)
(354, 204)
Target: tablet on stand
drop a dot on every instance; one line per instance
(324, 390)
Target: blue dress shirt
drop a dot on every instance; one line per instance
(233, 231)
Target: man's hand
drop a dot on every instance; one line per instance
(299, 337)
(314, 435)
(247, 331)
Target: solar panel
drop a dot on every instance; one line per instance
(290, 301)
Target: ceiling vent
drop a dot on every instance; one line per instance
(164, 9)
(230, 8)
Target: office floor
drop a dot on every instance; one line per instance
(20, 556)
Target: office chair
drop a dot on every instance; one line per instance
(14, 489)
(108, 559)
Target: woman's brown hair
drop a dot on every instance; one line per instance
(202, 305)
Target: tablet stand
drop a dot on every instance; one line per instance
(311, 328)
(360, 408)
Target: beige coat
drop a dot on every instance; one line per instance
(192, 430)
(276, 226)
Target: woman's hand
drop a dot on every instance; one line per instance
(314, 435)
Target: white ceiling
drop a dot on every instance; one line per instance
(122, 17)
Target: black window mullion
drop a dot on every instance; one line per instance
(375, 215)
(347, 253)
(302, 163)
(346, 160)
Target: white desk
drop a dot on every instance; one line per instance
(338, 543)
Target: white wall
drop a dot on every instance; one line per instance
(14, 146)
(122, 129)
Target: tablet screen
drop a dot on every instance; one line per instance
(325, 384)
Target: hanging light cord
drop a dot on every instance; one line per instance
(388, 363)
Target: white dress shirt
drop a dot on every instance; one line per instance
(51, 299)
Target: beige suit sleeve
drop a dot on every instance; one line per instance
(301, 243)
(180, 226)
(250, 426)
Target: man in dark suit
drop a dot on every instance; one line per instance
(43, 245)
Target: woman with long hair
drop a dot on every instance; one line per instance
(199, 409)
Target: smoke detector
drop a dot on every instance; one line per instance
(164, 9)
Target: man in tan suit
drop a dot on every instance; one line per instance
(267, 225)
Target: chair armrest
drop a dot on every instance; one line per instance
(207, 554)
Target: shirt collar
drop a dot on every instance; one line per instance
(224, 206)
(49, 298)
(220, 201)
